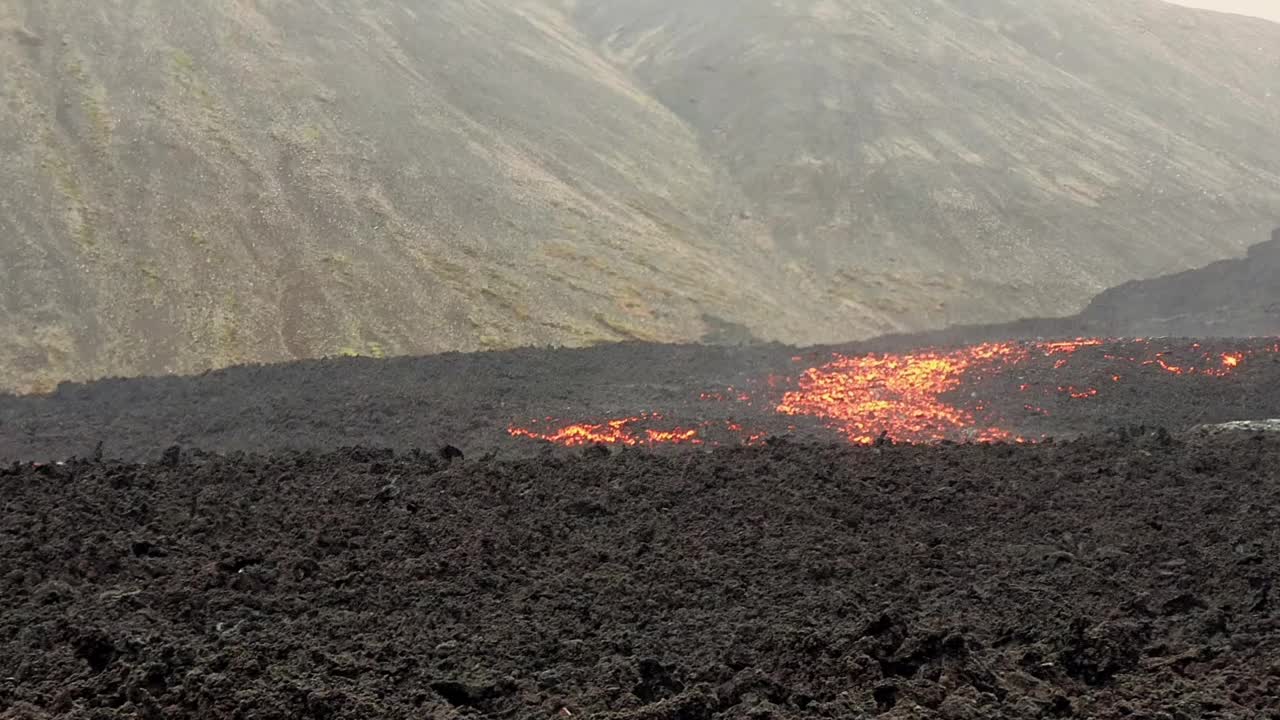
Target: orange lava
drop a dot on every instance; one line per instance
(672, 436)
(639, 430)
(1058, 347)
(863, 397)
(1077, 393)
(622, 431)
(906, 397)
(1229, 363)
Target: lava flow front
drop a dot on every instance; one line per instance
(912, 397)
(621, 431)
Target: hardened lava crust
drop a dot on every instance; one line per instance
(1004, 530)
(1124, 574)
(510, 404)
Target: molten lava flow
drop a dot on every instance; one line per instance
(1229, 363)
(905, 397)
(672, 436)
(1068, 347)
(1077, 393)
(863, 397)
(644, 429)
(613, 432)
(621, 431)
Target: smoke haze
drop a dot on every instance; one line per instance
(1269, 9)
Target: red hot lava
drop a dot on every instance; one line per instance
(622, 431)
(863, 397)
(906, 396)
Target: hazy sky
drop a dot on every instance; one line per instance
(1269, 9)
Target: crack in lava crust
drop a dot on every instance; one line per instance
(619, 431)
(906, 397)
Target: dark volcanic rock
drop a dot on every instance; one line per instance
(1230, 298)
(1235, 298)
(782, 581)
(469, 401)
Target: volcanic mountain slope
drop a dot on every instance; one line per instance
(1228, 298)
(1255, 8)
(962, 383)
(200, 184)
(945, 160)
(203, 183)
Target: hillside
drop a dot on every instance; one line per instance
(941, 161)
(207, 183)
(1254, 8)
(203, 184)
(1230, 298)
(1227, 298)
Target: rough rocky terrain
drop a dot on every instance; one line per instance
(200, 184)
(215, 545)
(1126, 575)
(1112, 574)
(471, 400)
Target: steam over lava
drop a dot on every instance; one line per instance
(906, 397)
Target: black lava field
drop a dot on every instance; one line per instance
(490, 404)
(1010, 530)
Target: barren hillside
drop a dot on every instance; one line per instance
(198, 184)
(1268, 9)
(940, 160)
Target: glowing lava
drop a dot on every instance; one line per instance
(904, 395)
(910, 397)
(1229, 362)
(622, 431)
(863, 397)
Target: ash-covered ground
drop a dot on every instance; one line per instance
(736, 553)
